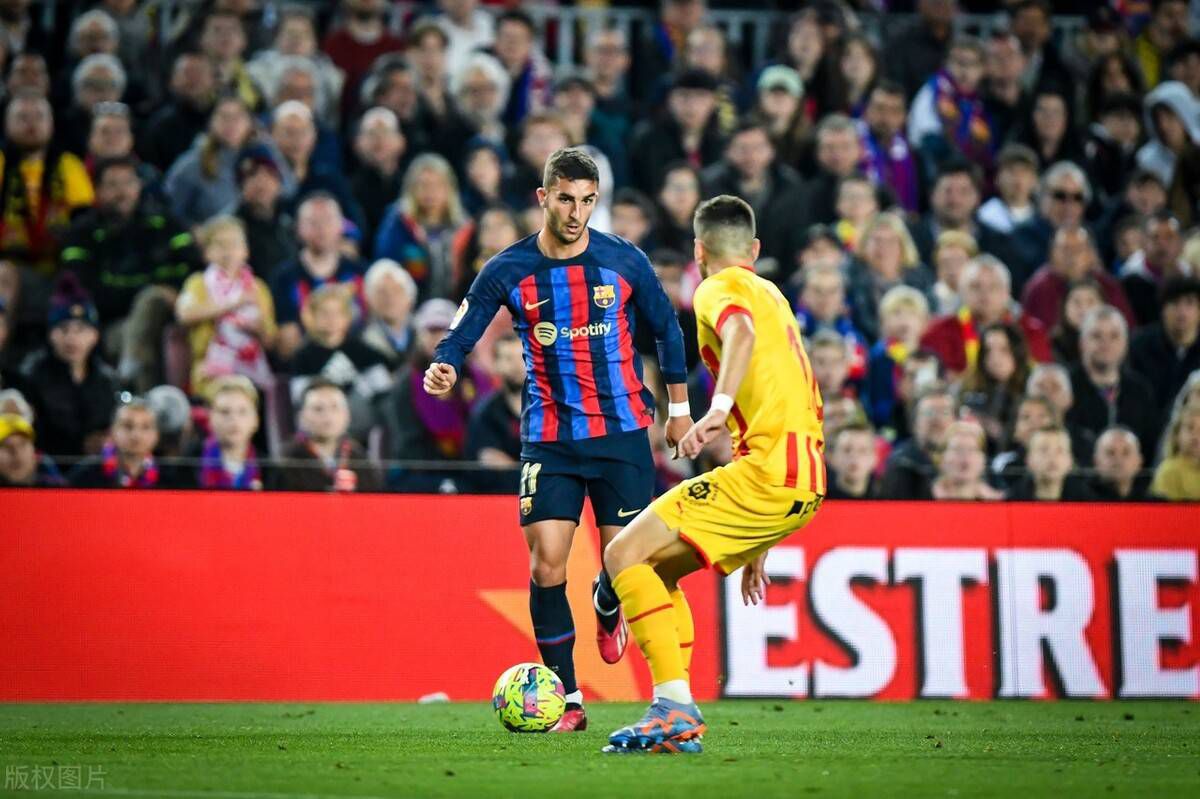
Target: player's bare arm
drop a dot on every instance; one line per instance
(737, 345)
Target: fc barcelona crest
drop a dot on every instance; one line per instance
(526, 505)
(604, 296)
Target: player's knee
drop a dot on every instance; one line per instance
(546, 573)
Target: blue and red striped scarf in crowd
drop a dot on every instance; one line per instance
(891, 165)
(214, 475)
(964, 119)
(147, 477)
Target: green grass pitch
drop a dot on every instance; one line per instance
(753, 748)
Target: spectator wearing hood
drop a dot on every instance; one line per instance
(1173, 126)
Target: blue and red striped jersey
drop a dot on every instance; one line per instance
(576, 318)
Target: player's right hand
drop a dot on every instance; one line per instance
(439, 379)
(755, 580)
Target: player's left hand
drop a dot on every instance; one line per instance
(755, 580)
(702, 432)
(676, 429)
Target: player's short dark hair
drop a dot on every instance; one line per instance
(722, 217)
(318, 384)
(569, 163)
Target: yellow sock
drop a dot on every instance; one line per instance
(685, 627)
(651, 616)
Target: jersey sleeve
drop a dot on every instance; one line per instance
(654, 306)
(715, 301)
(483, 300)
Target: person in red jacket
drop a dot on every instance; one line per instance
(985, 289)
(1073, 257)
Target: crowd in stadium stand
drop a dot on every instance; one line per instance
(228, 248)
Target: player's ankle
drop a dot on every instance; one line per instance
(675, 690)
(574, 698)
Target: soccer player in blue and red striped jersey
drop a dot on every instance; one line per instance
(576, 296)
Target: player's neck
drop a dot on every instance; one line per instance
(551, 247)
(716, 267)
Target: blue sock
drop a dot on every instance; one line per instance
(606, 601)
(554, 630)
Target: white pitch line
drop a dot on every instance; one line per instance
(185, 794)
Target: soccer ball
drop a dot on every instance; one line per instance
(529, 698)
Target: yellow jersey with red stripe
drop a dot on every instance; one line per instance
(776, 418)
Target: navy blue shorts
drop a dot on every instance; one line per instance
(616, 471)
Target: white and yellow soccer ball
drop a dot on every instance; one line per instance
(529, 697)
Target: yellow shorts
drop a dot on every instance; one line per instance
(730, 517)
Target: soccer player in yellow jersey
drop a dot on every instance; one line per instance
(728, 518)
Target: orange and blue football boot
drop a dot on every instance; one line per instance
(667, 727)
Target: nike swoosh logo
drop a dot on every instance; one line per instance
(529, 306)
(624, 514)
